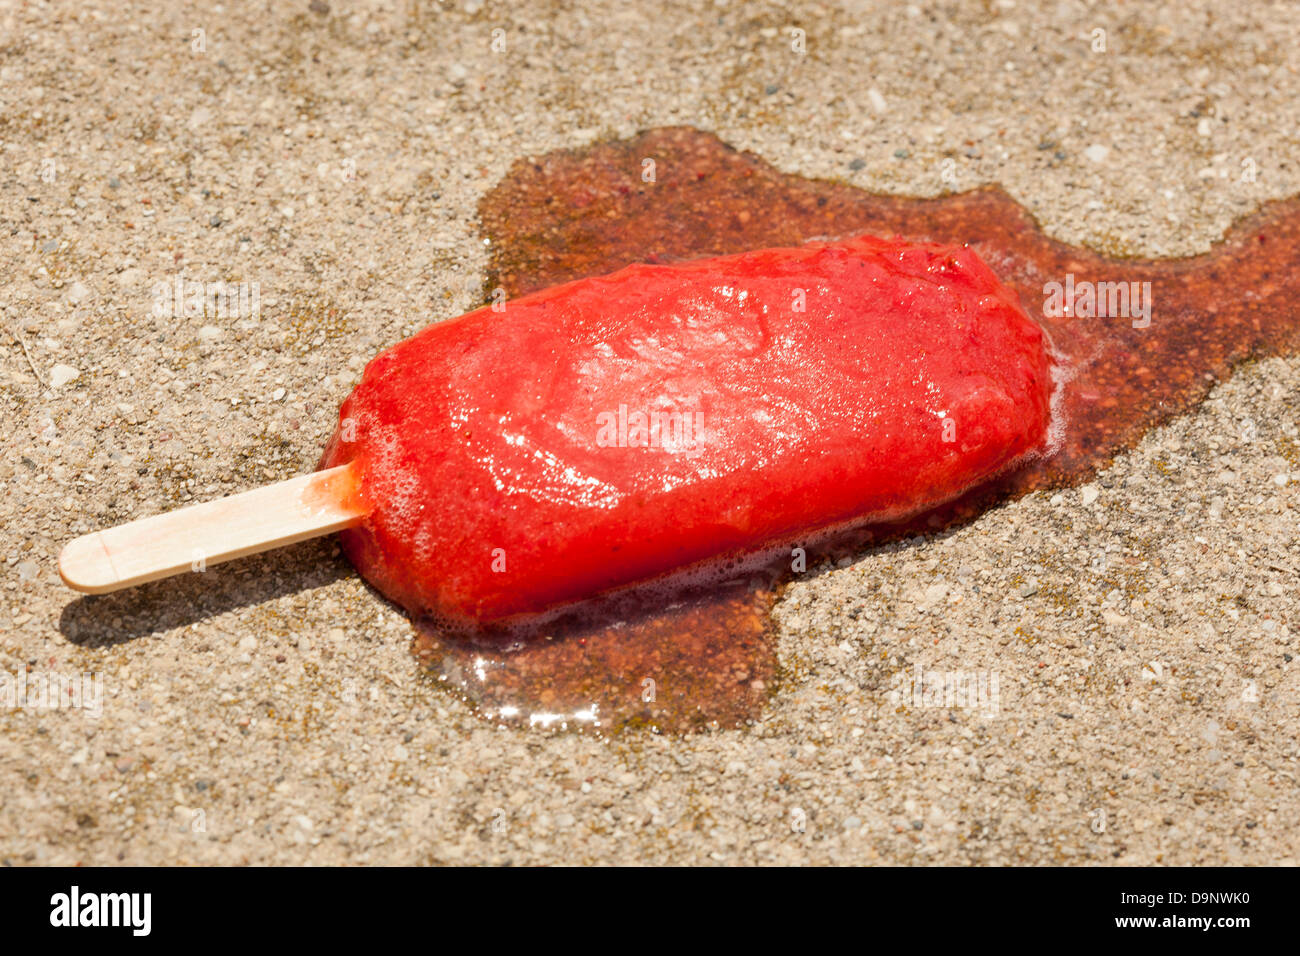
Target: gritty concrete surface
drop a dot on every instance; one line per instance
(1141, 629)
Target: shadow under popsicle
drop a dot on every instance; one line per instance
(104, 620)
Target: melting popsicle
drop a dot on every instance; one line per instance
(613, 430)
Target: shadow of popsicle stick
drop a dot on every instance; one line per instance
(102, 620)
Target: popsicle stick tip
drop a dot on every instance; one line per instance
(85, 565)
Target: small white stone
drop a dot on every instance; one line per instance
(935, 593)
(1204, 127)
(130, 277)
(877, 100)
(1088, 494)
(210, 333)
(61, 375)
(1281, 480)
(78, 292)
(1097, 153)
(277, 394)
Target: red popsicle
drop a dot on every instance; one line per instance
(613, 430)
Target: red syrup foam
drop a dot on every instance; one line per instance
(704, 658)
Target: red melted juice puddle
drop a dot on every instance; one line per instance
(709, 660)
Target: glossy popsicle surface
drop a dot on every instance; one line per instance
(615, 429)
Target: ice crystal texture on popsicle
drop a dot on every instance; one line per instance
(614, 430)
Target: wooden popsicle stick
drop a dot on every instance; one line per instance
(189, 539)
